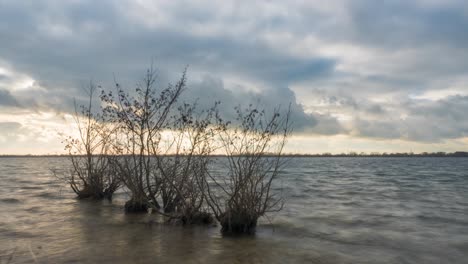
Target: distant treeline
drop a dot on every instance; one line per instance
(350, 154)
(385, 154)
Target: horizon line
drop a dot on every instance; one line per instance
(325, 154)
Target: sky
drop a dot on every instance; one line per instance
(360, 75)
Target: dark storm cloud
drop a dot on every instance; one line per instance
(88, 39)
(407, 48)
(398, 24)
(57, 61)
(212, 89)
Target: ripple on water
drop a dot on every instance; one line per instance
(337, 211)
(12, 233)
(10, 200)
(49, 195)
(25, 182)
(32, 188)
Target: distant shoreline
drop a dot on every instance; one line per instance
(457, 154)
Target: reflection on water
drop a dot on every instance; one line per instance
(339, 210)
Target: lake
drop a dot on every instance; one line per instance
(338, 210)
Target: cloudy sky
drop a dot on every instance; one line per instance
(361, 75)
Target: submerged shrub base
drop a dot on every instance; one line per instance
(200, 218)
(235, 223)
(89, 193)
(134, 206)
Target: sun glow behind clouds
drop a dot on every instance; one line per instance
(34, 132)
(43, 132)
(14, 81)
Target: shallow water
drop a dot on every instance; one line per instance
(338, 210)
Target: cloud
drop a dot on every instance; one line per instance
(6, 99)
(9, 127)
(211, 89)
(382, 70)
(420, 121)
(400, 24)
(9, 132)
(437, 120)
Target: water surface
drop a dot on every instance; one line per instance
(338, 210)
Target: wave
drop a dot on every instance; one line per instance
(10, 200)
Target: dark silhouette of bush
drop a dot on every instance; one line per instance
(253, 147)
(183, 170)
(91, 175)
(160, 150)
(140, 120)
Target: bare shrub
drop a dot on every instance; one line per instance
(183, 170)
(253, 147)
(161, 152)
(141, 119)
(91, 175)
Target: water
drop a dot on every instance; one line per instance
(338, 210)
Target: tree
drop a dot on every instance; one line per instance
(182, 171)
(141, 119)
(253, 147)
(91, 175)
